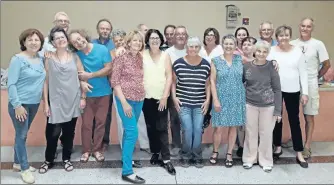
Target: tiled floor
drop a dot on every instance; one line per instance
(320, 169)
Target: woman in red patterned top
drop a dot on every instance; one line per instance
(127, 81)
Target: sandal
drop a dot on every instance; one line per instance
(228, 163)
(45, 167)
(98, 156)
(68, 166)
(84, 157)
(307, 153)
(214, 160)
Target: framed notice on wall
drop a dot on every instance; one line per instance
(231, 16)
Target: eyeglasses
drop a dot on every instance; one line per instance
(59, 38)
(63, 21)
(154, 38)
(180, 34)
(266, 30)
(210, 35)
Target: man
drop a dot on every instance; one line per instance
(266, 32)
(62, 20)
(104, 29)
(142, 28)
(175, 52)
(316, 54)
(169, 35)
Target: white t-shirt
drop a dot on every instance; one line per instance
(175, 53)
(292, 69)
(315, 53)
(217, 51)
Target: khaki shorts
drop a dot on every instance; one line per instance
(312, 106)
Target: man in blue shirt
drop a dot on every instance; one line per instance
(266, 33)
(104, 29)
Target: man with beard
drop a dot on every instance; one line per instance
(104, 29)
(175, 52)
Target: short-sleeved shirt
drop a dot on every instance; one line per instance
(175, 54)
(93, 62)
(108, 43)
(315, 53)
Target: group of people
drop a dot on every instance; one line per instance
(236, 82)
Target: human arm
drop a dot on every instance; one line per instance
(46, 107)
(303, 78)
(176, 100)
(213, 83)
(323, 58)
(169, 81)
(84, 85)
(276, 87)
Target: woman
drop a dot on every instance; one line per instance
(62, 99)
(26, 77)
(228, 97)
(211, 49)
(127, 80)
(191, 96)
(294, 86)
(263, 108)
(96, 61)
(157, 84)
(240, 33)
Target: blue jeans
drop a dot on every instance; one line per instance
(21, 130)
(192, 126)
(130, 133)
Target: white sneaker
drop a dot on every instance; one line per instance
(247, 165)
(27, 177)
(17, 168)
(267, 169)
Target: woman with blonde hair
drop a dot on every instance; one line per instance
(127, 79)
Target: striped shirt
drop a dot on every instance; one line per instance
(191, 82)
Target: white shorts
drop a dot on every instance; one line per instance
(312, 106)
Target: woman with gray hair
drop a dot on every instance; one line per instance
(118, 37)
(228, 97)
(294, 86)
(263, 108)
(191, 96)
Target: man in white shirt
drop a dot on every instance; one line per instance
(315, 53)
(175, 52)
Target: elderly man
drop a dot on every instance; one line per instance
(266, 32)
(316, 54)
(142, 28)
(169, 35)
(175, 52)
(104, 29)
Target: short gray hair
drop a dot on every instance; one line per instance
(194, 41)
(267, 22)
(118, 32)
(263, 44)
(230, 36)
(307, 18)
(183, 27)
(282, 29)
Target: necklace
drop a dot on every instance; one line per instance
(60, 60)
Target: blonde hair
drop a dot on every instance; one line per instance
(130, 36)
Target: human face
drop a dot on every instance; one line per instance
(136, 43)
(229, 46)
(154, 41)
(306, 28)
(284, 37)
(32, 43)
(193, 50)
(119, 41)
(104, 30)
(78, 41)
(59, 40)
(266, 31)
(181, 36)
(241, 34)
(143, 29)
(63, 22)
(210, 38)
(248, 48)
(261, 54)
(169, 34)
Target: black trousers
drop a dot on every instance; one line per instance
(157, 128)
(175, 123)
(52, 133)
(291, 101)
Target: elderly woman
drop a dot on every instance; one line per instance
(211, 49)
(62, 111)
(26, 76)
(96, 61)
(127, 79)
(240, 33)
(263, 108)
(248, 49)
(294, 86)
(157, 83)
(191, 96)
(228, 97)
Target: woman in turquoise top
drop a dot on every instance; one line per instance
(26, 77)
(228, 96)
